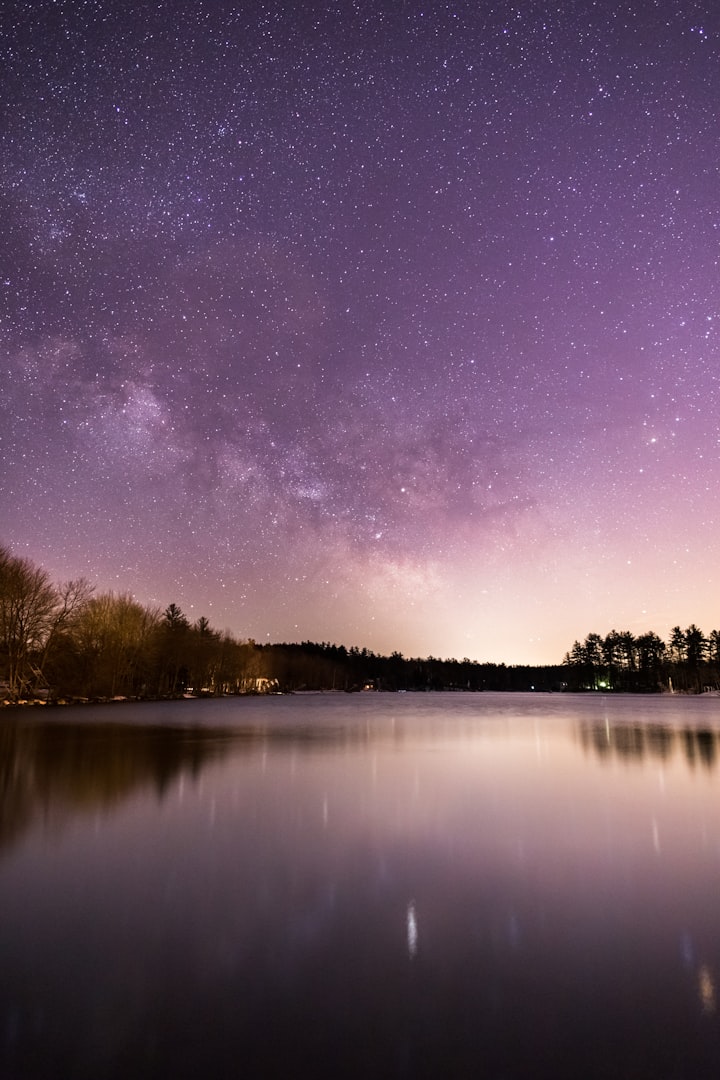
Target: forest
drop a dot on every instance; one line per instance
(67, 642)
(620, 661)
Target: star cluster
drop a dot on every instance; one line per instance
(388, 324)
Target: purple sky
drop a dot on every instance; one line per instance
(385, 324)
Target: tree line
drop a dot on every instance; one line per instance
(689, 662)
(69, 642)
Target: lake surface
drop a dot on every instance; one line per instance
(369, 885)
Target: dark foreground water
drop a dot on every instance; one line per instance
(362, 886)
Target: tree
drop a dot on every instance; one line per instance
(611, 649)
(576, 656)
(174, 650)
(28, 605)
(593, 650)
(114, 636)
(626, 641)
(71, 598)
(650, 651)
(676, 645)
(695, 646)
(174, 618)
(203, 651)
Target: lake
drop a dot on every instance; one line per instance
(366, 885)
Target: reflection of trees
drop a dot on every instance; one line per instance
(629, 741)
(17, 791)
(635, 742)
(56, 769)
(701, 747)
(51, 769)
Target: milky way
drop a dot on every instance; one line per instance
(384, 324)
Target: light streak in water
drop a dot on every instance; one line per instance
(412, 930)
(706, 989)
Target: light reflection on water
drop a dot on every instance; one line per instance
(375, 885)
(412, 930)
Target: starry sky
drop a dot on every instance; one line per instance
(387, 324)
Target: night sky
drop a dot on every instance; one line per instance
(394, 325)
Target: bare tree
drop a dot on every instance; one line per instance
(115, 638)
(71, 599)
(28, 606)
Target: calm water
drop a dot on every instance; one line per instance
(491, 886)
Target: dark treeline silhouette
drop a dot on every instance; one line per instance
(67, 642)
(688, 663)
(312, 665)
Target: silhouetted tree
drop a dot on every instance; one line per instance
(695, 646)
(115, 638)
(650, 653)
(676, 645)
(173, 650)
(33, 612)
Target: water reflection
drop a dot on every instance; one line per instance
(412, 930)
(706, 989)
(55, 769)
(390, 888)
(640, 741)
